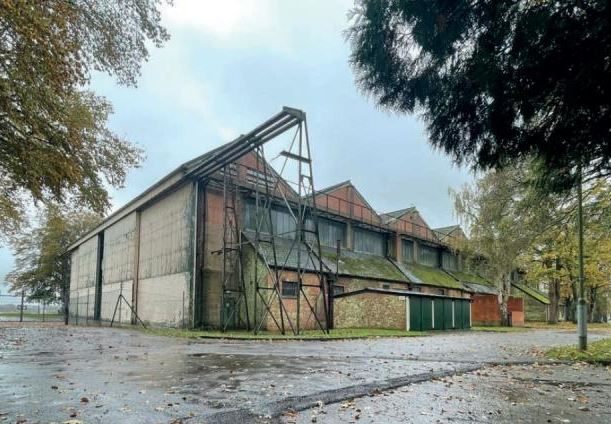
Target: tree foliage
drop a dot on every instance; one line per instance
(503, 214)
(39, 252)
(496, 81)
(552, 261)
(54, 141)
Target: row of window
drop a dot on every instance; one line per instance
(330, 232)
(291, 289)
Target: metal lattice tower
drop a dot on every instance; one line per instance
(305, 244)
(232, 271)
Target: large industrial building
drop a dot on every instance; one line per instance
(227, 241)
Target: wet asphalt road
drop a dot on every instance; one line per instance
(111, 375)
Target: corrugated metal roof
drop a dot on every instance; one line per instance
(432, 276)
(480, 288)
(395, 292)
(363, 265)
(538, 296)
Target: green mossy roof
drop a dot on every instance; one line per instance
(532, 293)
(363, 265)
(433, 276)
(466, 277)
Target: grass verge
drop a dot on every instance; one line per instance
(356, 333)
(566, 325)
(597, 353)
(29, 314)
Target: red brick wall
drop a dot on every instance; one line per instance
(289, 310)
(486, 310)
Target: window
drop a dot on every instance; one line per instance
(441, 292)
(329, 232)
(416, 289)
(369, 242)
(428, 256)
(290, 289)
(337, 290)
(449, 261)
(386, 286)
(408, 251)
(283, 222)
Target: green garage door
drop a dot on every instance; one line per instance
(427, 314)
(466, 314)
(447, 314)
(415, 313)
(458, 323)
(438, 312)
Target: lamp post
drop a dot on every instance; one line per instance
(582, 331)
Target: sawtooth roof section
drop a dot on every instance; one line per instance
(432, 276)
(348, 184)
(465, 277)
(538, 296)
(480, 288)
(200, 167)
(389, 216)
(362, 265)
(449, 231)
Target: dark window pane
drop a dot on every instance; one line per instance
(369, 242)
(338, 290)
(428, 256)
(290, 289)
(449, 261)
(408, 251)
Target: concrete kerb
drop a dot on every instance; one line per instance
(273, 410)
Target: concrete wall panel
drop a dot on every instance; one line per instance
(119, 245)
(110, 294)
(160, 299)
(82, 280)
(166, 232)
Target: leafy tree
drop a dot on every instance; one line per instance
(552, 258)
(495, 81)
(39, 252)
(503, 214)
(54, 141)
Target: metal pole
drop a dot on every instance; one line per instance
(43, 311)
(582, 331)
(183, 310)
(21, 309)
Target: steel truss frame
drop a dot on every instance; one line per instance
(268, 192)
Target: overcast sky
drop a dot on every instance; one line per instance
(232, 64)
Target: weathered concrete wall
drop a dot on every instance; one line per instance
(370, 310)
(166, 258)
(82, 279)
(118, 268)
(212, 285)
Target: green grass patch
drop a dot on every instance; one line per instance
(566, 325)
(597, 353)
(17, 314)
(499, 329)
(350, 333)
